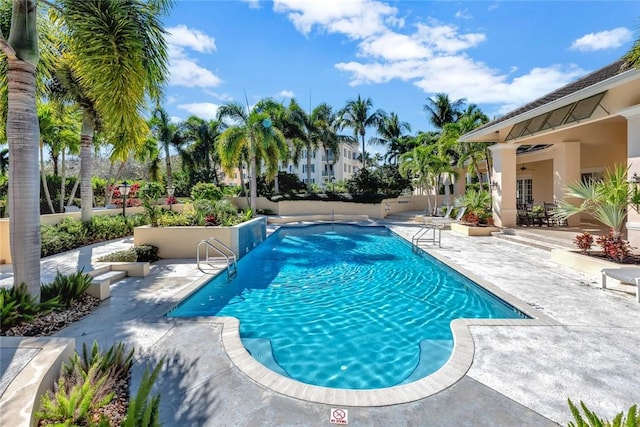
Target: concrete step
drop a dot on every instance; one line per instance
(109, 276)
(535, 240)
(98, 270)
(100, 286)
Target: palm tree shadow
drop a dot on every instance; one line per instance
(182, 402)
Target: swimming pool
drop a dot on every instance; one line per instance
(345, 306)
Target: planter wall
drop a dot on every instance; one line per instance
(473, 231)
(586, 264)
(181, 242)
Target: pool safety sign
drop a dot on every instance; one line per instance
(339, 416)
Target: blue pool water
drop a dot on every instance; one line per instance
(345, 306)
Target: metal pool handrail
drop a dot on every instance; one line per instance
(231, 258)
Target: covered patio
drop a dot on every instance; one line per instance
(574, 133)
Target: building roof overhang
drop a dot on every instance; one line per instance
(490, 131)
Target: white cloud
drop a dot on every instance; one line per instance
(253, 4)
(186, 72)
(394, 46)
(285, 94)
(354, 18)
(463, 14)
(204, 110)
(220, 96)
(183, 36)
(609, 39)
(175, 119)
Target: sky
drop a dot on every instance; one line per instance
(496, 54)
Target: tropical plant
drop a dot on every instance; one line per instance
(150, 194)
(614, 246)
(252, 134)
(144, 409)
(168, 135)
(117, 76)
(116, 361)
(201, 158)
(584, 242)
(76, 396)
(17, 305)
(206, 191)
(441, 110)
(66, 288)
(426, 166)
(391, 133)
(606, 200)
(632, 418)
(358, 116)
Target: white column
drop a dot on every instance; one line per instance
(633, 161)
(566, 170)
(503, 174)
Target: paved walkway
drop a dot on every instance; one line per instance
(521, 375)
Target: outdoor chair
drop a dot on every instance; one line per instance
(629, 275)
(550, 218)
(524, 217)
(442, 222)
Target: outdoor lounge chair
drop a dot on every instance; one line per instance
(442, 222)
(629, 275)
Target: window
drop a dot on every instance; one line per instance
(345, 167)
(587, 177)
(345, 152)
(349, 168)
(304, 168)
(524, 191)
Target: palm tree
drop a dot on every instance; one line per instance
(201, 159)
(425, 165)
(632, 58)
(168, 135)
(471, 153)
(252, 133)
(23, 135)
(357, 115)
(441, 110)
(119, 56)
(111, 80)
(391, 132)
(606, 200)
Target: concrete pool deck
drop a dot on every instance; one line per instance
(520, 375)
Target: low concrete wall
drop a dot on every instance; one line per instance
(5, 250)
(473, 231)
(587, 264)
(181, 242)
(53, 219)
(22, 396)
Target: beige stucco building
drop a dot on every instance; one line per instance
(573, 133)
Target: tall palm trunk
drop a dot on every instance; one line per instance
(308, 167)
(86, 167)
(253, 170)
(74, 190)
(363, 153)
(23, 135)
(45, 185)
(167, 157)
(63, 179)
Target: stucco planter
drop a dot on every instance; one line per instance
(585, 263)
(473, 231)
(181, 242)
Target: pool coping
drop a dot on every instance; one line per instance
(451, 372)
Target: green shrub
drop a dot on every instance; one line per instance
(178, 219)
(144, 410)
(116, 361)
(592, 420)
(206, 191)
(146, 253)
(66, 287)
(17, 305)
(76, 396)
(142, 253)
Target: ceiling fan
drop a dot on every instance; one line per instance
(524, 168)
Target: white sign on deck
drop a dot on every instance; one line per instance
(339, 416)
